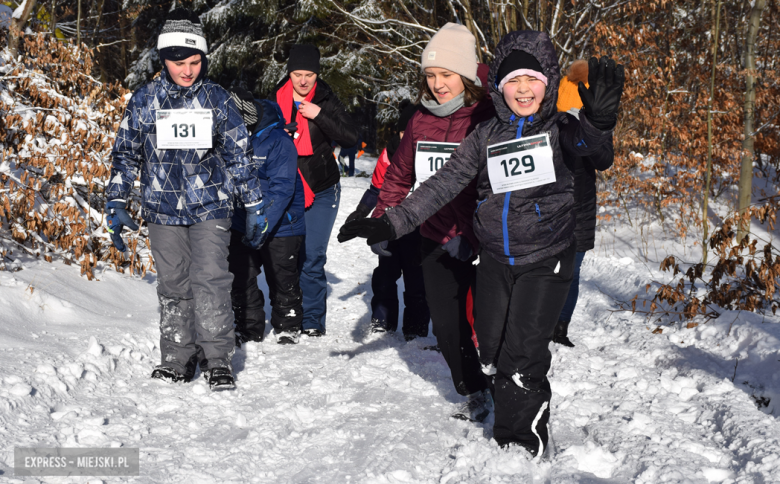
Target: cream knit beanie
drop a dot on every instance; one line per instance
(453, 48)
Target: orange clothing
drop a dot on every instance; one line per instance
(568, 96)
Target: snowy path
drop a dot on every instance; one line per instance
(628, 405)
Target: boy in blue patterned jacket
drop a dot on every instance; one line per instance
(185, 135)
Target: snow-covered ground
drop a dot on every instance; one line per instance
(629, 405)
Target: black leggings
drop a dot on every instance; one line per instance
(447, 283)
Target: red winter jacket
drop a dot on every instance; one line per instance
(378, 178)
(455, 218)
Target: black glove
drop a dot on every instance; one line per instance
(373, 229)
(367, 203)
(458, 248)
(380, 249)
(601, 100)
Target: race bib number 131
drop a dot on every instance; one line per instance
(184, 129)
(520, 163)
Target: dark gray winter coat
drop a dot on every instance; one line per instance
(523, 226)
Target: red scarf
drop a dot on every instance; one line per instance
(284, 98)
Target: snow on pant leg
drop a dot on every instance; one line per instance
(171, 251)
(447, 282)
(574, 290)
(492, 294)
(384, 302)
(522, 391)
(319, 218)
(247, 299)
(282, 273)
(416, 313)
(211, 282)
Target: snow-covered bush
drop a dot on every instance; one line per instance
(57, 128)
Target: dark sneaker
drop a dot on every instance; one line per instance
(476, 408)
(169, 375)
(220, 379)
(378, 326)
(288, 337)
(242, 338)
(561, 334)
(313, 332)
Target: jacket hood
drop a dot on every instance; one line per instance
(537, 44)
(272, 116)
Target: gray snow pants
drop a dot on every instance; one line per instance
(193, 286)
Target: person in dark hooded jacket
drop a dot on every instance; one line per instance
(524, 219)
(584, 194)
(276, 167)
(400, 257)
(321, 119)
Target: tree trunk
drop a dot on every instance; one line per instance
(54, 18)
(705, 204)
(746, 172)
(78, 25)
(17, 27)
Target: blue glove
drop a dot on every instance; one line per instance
(118, 218)
(380, 249)
(458, 248)
(256, 226)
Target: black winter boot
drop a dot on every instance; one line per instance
(560, 335)
(219, 379)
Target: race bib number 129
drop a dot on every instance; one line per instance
(184, 129)
(520, 163)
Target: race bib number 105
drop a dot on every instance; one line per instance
(184, 129)
(520, 163)
(429, 158)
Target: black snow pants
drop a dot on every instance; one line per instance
(515, 312)
(447, 283)
(279, 257)
(405, 259)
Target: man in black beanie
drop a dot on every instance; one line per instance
(306, 99)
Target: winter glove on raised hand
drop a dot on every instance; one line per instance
(118, 218)
(367, 203)
(373, 229)
(458, 248)
(601, 100)
(256, 226)
(380, 249)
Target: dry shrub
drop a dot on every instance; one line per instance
(57, 126)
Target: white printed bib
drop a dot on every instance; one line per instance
(184, 129)
(520, 163)
(429, 158)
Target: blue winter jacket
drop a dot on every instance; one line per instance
(276, 163)
(183, 187)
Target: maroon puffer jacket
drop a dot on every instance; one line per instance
(455, 218)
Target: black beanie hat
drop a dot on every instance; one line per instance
(407, 109)
(518, 59)
(181, 36)
(304, 57)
